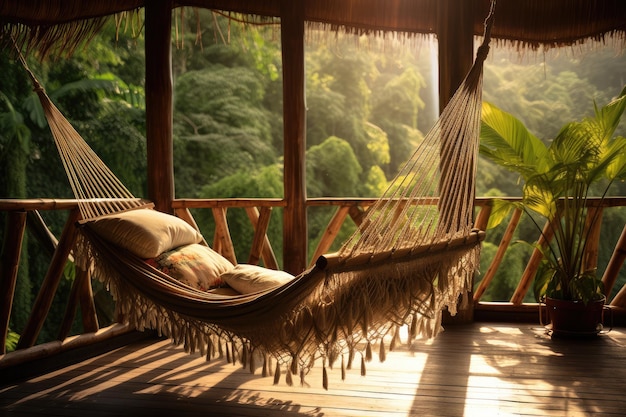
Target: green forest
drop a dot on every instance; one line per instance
(368, 104)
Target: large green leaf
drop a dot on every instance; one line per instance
(611, 114)
(507, 142)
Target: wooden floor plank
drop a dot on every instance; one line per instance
(481, 369)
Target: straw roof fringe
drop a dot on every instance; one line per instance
(62, 25)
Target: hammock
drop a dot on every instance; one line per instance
(413, 256)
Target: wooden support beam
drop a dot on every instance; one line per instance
(590, 257)
(222, 242)
(357, 214)
(159, 107)
(612, 270)
(80, 289)
(86, 302)
(37, 227)
(11, 251)
(497, 259)
(261, 246)
(482, 220)
(295, 233)
(331, 232)
(533, 264)
(50, 283)
(185, 214)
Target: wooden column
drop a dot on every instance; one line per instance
(295, 223)
(456, 50)
(159, 103)
(455, 36)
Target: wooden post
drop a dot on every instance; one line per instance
(590, 257)
(612, 269)
(12, 248)
(222, 241)
(50, 283)
(80, 293)
(533, 264)
(87, 304)
(159, 119)
(482, 220)
(294, 119)
(261, 246)
(455, 36)
(495, 263)
(331, 232)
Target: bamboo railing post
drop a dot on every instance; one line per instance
(37, 226)
(86, 302)
(533, 264)
(590, 257)
(223, 242)
(50, 283)
(612, 270)
(482, 220)
(11, 251)
(70, 310)
(497, 259)
(333, 228)
(261, 247)
(357, 214)
(80, 294)
(185, 214)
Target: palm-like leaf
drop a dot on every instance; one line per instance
(507, 142)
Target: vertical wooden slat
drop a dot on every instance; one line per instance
(482, 220)
(533, 265)
(79, 287)
(12, 249)
(37, 226)
(333, 228)
(185, 214)
(261, 247)
(590, 257)
(223, 242)
(294, 117)
(159, 119)
(357, 214)
(612, 270)
(50, 283)
(86, 302)
(497, 259)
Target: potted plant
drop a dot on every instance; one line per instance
(584, 160)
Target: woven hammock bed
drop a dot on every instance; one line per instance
(409, 260)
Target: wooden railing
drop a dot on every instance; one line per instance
(21, 214)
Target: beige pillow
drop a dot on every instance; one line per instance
(144, 232)
(195, 265)
(247, 279)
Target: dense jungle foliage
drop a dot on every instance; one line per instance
(368, 104)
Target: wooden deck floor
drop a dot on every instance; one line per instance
(482, 369)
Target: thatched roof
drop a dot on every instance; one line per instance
(524, 23)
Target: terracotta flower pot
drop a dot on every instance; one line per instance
(575, 318)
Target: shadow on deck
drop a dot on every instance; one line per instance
(483, 369)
